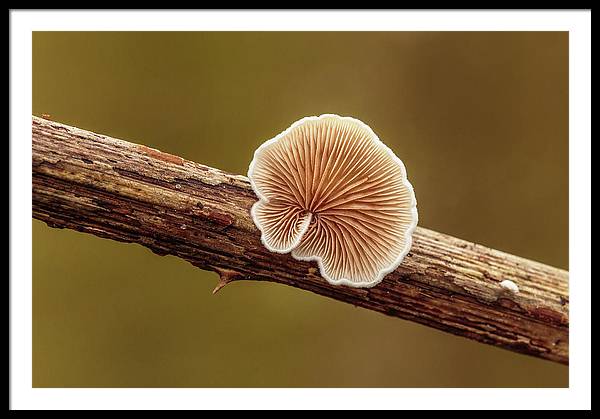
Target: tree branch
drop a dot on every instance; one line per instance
(131, 193)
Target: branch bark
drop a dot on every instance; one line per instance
(132, 193)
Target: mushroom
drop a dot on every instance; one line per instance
(329, 190)
(509, 286)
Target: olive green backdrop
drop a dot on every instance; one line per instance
(479, 119)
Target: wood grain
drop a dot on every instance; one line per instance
(132, 193)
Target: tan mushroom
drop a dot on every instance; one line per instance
(329, 190)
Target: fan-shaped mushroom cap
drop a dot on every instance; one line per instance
(331, 191)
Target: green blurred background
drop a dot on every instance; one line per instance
(479, 118)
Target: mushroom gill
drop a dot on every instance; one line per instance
(331, 191)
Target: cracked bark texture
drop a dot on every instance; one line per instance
(132, 193)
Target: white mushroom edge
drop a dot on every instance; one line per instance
(409, 230)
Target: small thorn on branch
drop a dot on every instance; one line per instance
(225, 277)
